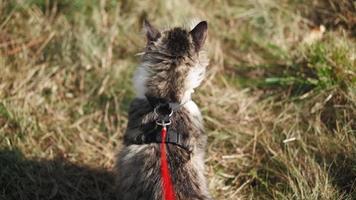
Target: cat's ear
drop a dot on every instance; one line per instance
(152, 34)
(199, 33)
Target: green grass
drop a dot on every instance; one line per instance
(65, 87)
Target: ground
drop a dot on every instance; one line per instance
(279, 101)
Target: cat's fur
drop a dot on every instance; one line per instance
(172, 65)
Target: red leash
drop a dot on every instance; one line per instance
(168, 190)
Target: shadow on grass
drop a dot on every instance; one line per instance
(22, 179)
(343, 173)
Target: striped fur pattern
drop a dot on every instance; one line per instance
(172, 65)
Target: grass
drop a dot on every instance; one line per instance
(279, 108)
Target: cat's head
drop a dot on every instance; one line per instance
(173, 63)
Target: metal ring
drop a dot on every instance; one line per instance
(162, 123)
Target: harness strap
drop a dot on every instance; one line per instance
(155, 136)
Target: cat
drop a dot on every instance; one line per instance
(172, 65)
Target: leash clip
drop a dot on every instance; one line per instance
(163, 123)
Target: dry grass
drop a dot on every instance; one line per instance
(280, 112)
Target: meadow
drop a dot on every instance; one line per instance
(278, 102)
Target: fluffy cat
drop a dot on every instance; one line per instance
(172, 65)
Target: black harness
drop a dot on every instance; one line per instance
(152, 134)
